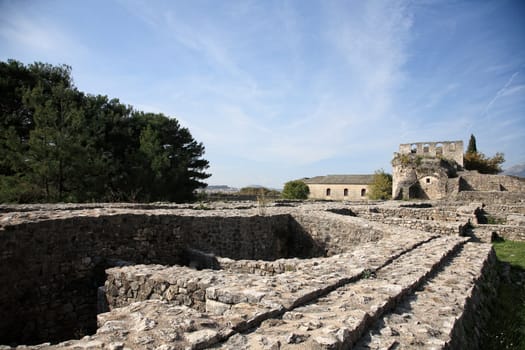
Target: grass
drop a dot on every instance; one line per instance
(512, 253)
(506, 329)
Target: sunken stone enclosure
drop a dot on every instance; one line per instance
(239, 276)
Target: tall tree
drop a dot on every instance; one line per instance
(472, 148)
(59, 144)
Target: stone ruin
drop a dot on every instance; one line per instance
(435, 170)
(291, 275)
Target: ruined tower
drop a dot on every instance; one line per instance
(422, 169)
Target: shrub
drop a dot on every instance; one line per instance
(381, 187)
(295, 189)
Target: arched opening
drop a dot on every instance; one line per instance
(426, 148)
(413, 148)
(345, 192)
(439, 149)
(363, 192)
(328, 192)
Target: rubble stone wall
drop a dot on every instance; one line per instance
(448, 214)
(337, 233)
(507, 232)
(51, 268)
(493, 197)
(473, 181)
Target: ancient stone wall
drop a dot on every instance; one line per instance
(446, 149)
(497, 197)
(51, 269)
(66, 259)
(473, 181)
(441, 213)
(337, 233)
(507, 232)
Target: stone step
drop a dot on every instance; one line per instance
(338, 319)
(241, 300)
(218, 291)
(435, 314)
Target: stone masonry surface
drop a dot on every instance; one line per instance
(321, 275)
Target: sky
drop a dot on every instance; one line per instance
(281, 90)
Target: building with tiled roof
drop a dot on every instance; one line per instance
(339, 187)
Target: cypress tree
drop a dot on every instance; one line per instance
(472, 148)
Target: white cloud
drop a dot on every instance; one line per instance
(31, 35)
(505, 90)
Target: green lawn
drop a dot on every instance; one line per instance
(511, 252)
(506, 329)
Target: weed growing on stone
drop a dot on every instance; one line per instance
(262, 203)
(369, 274)
(202, 206)
(491, 220)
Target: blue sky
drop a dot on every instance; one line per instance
(279, 90)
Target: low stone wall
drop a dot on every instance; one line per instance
(441, 228)
(337, 233)
(507, 232)
(491, 197)
(468, 328)
(435, 214)
(177, 285)
(259, 267)
(473, 181)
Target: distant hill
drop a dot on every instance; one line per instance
(516, 170)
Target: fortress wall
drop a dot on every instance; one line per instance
(51, 269)
(473, 181)
(493, 197)
(436, 214)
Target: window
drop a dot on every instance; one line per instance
(328, 192)
(428, 180)
(363, 192)
(345, 192)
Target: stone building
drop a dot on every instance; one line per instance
(452, 150)
(422, 169)
(339, 187)
(434, 170)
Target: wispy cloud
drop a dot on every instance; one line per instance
(37, 37)
(505, 90)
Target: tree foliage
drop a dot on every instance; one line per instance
(381, 186)
(295, 189)
(478, 161)
(59, 144)
(474, 160)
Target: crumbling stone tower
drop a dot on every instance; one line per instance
(422, 169)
